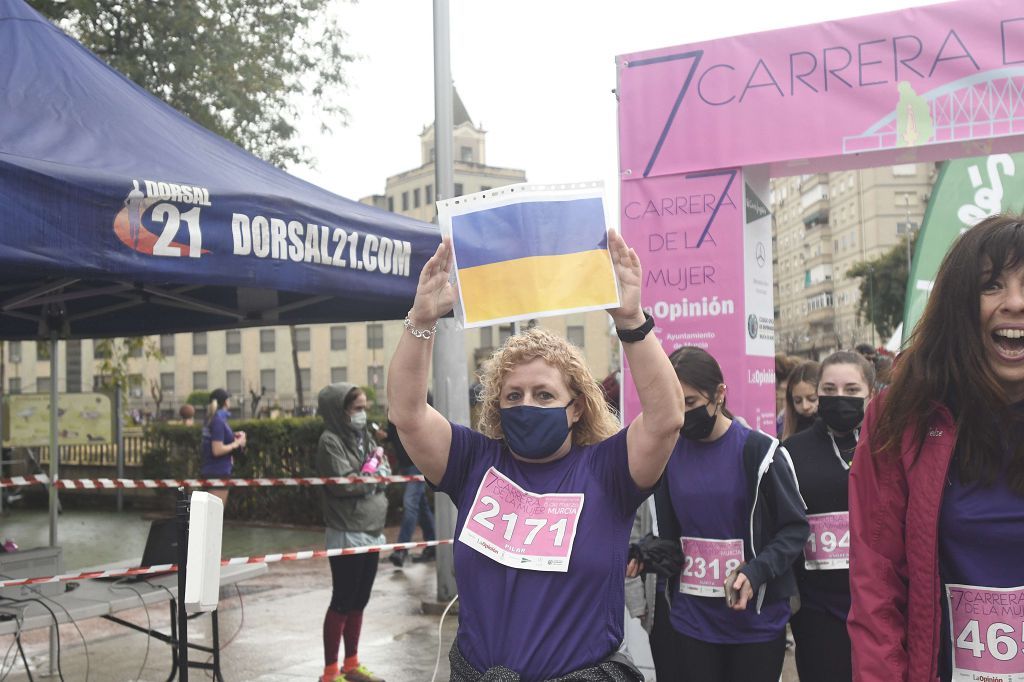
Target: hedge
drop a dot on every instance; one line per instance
(275, 448)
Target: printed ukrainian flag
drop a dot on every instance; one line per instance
(533, 259)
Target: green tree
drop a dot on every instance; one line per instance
(245, 70)
(883, 288)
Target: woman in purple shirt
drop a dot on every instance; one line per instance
(547, 493)
(219, 441)
(730, 498)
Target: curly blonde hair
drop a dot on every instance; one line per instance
(597, 420)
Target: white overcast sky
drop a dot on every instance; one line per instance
(537, 74)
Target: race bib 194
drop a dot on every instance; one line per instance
(521, 529)
(706, 563)
(986, 630)
(828, 546)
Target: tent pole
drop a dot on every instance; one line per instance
(451, 386)
(119, 441)
(54, 470)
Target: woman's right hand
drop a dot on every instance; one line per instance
(435, 295)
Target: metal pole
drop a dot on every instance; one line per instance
(451, 385)
(54, 473)
(182, 516)
(119, 440)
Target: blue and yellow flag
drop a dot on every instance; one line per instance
(533, 259)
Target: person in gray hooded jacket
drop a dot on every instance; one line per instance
(354, 517)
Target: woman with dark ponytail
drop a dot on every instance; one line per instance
(219, 441)
(730, 498)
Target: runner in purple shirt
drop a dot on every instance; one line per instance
(547, 492)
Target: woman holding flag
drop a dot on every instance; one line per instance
(546, 494)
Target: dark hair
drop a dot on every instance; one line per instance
(866, 349)
(845, 357)
(698, 368)
(952, 368)
(218, 397)
(784, 365)
(351, 396)
(805, 372)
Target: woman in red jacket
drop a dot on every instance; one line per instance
(937, 486)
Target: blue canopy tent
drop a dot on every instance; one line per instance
(120, 216)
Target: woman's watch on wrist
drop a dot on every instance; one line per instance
(638, 334)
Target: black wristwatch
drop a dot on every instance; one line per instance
(638, 334)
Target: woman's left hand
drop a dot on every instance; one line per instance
(744, 592)
(629, 314)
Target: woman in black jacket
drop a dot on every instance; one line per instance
(822, 456)
(730, 498)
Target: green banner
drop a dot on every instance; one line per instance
(967, 191)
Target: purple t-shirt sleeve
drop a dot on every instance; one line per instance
(220, 431)
(610, 462)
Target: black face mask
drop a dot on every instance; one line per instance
(841, 413)
(804, 421)
(699, 422)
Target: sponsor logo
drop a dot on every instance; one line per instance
(167, 205)
(752, 326)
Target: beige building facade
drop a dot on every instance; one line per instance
(823, 225)
(259, 361)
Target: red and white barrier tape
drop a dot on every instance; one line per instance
(130, 483)
(234, 561)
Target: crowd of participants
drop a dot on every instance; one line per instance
(882, 525)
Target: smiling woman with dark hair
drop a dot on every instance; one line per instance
(937, 485)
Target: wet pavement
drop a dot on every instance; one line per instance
(270, 626)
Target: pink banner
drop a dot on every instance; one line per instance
(919, 84)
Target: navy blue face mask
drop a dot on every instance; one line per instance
(534, 432)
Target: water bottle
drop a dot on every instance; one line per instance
(372, 462)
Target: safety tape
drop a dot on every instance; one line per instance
(136, 483)
(234, 561)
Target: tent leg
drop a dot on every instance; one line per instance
(54, 471)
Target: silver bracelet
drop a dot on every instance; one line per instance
(420, 333)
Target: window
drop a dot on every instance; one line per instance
(574, 333)
(484, 188)
(416, 198)
(405, 201)
(486, 337)
(466, 154)
(199, 382)
(305, 379)
(134, 347)
(233, 382)
(268, 341)
(101, 349)
(504, 334)
(167, 345)
(302, 338)
(135, 385)
(339, 337)
(430, 194)
(15, 352)
(374, 336)
(102, 382)
(14, 385)
(199, 343)
(391, 204)
(233, 342)
(42, 350)
(42, 384)
(268, 380)
(339, 374)
(458, 189)
(167, 382)
(375, 376)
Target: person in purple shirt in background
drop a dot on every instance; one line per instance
(729, 498)
(219, 442)
(822, 456)
(547, 492)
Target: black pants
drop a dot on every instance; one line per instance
(822, 647)
(664, 645)
(352, 579)
(706, 662)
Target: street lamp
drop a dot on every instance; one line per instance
(907, 229)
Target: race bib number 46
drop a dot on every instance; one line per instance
(828, 546)
(521, 529)
(706, 563)
(986, 629)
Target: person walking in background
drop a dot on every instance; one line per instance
(415, 505)
(801, 399)
(219, 444)
(354, 516)
(784, 364)
(822, 455)
(730, 498)
(937, 483)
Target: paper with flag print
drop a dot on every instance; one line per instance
(526, 251)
